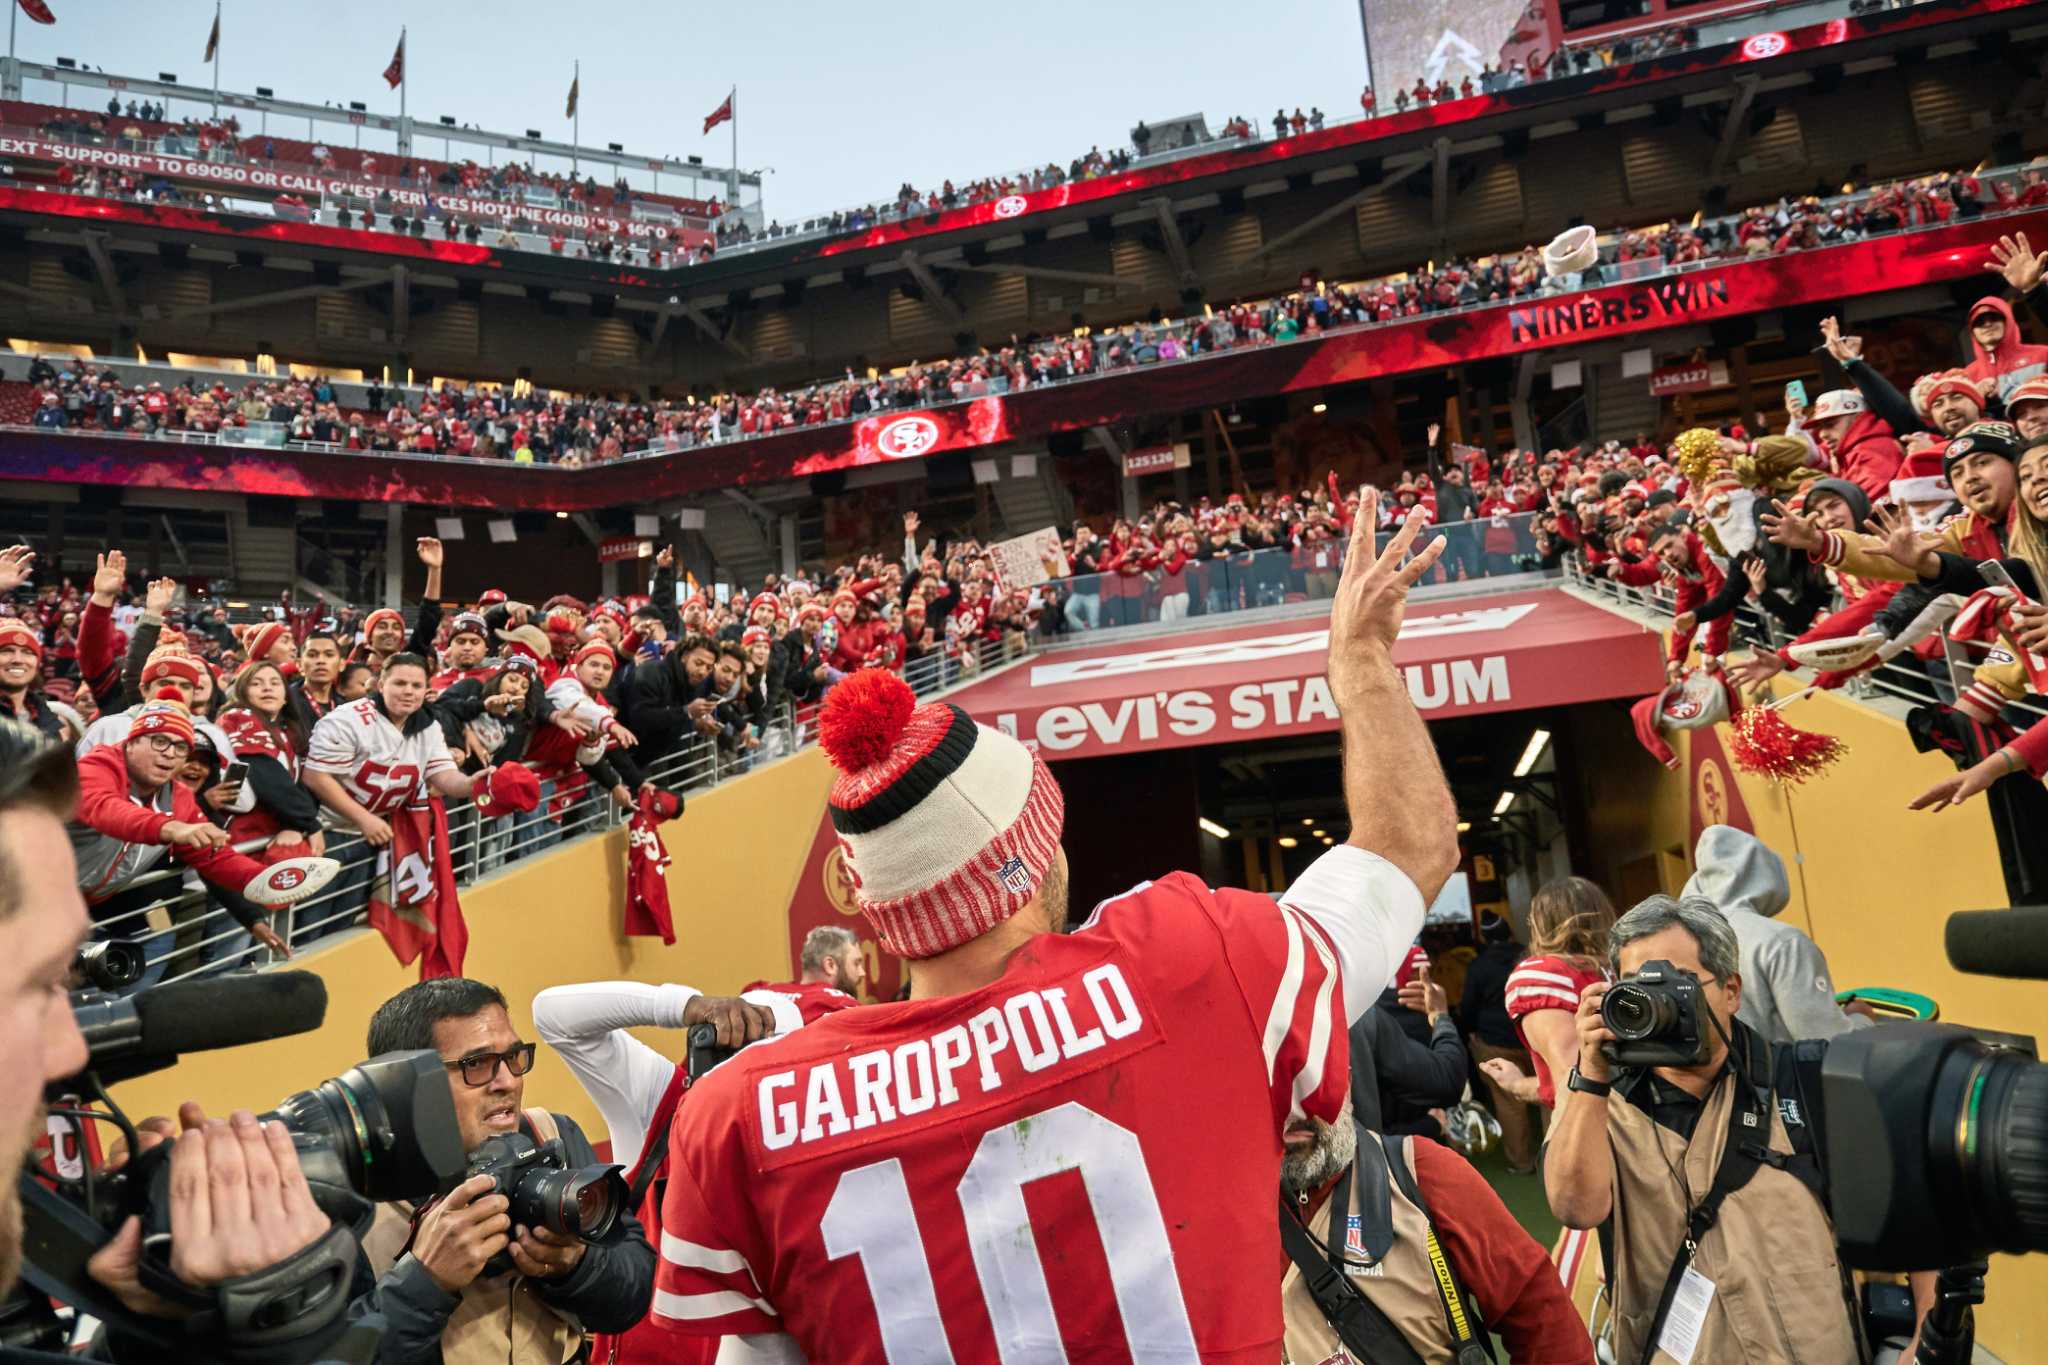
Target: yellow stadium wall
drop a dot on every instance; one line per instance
(735, 856)
(1871, 881)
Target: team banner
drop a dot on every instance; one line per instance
(1258, 681)
(264, 181)
(1343, 356)
(412, 899)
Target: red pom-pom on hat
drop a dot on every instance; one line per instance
(863, 718)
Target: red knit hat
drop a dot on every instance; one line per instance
(507, 789)
(845, 595)
(756, 635)
(809, 611)
(591, 651)
(764, 599)
(948, 827)
(2035, 390)
(259, 640)
(1929, 387)
(18, 634)
(491, 597)
(166, 715)
(371, 621)
(162, 665)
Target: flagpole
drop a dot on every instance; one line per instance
(734, 99)
(576, 133)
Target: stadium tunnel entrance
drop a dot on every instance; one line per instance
(1219, 749)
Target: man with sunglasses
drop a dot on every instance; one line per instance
(132, 812)
(432, 1286)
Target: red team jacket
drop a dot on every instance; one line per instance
(884, 1186)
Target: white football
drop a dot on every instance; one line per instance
(290, 880)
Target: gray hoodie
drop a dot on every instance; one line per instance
(1786, 991)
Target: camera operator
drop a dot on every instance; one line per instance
(441, 1300)
(239, 1204)
(1723, 1247)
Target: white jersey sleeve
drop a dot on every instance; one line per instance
(625, 1077)
(1370, 910)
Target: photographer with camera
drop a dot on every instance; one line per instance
(1698, 1139)
(240, 1212)
(538, 1247)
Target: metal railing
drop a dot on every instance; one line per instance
(187, 931)
(1907, 678)
(1250, 580)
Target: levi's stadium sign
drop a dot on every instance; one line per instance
(1465, 656)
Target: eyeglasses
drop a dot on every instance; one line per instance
(168, 747)
(478, 1068)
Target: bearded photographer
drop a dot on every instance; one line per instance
(459, 1280)
(1723, 1247)
(239, 1204)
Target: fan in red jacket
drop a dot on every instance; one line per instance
(1682, 557)
(1860, 445)
(131, 813)
(2003, 362)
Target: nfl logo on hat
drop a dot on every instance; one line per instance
(1015, 877)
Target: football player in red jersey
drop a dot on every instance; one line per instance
(1063, 1146)
(638, 1090)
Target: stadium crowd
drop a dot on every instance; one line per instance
(537, 427)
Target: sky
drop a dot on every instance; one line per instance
(844, 101)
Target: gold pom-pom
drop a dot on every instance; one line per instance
(1698, 450)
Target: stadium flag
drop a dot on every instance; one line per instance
(412, 899)
(212, 38)
(719, 115)
(394, 74)
(574, 87)
(37, 10)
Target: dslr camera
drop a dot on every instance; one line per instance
(1655, 1015)
(543, 1191)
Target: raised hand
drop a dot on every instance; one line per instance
(1897, 539)
(429, 550)
(16, 563)
(1843, 349)
(109, 576)
(158, 596)
(2013, 258)
(1372, 594)
(1756, 572)
(1759, 668)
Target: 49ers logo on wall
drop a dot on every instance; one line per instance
(1010, 205)
(1761, 46)
(906, 438)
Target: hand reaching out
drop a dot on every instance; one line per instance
(1898, 541)
(2013, 258)
(1759, 668)
(1365, 615)
(1791, 529)
(1436, 429)
(665, 557)
(16, 563)
(1954, 790)
(910, 523)
(1756, 572)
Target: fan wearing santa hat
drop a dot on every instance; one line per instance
(131, 814)
(1023, 1045)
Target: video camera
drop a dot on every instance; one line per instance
(1937, 1140)
(382, 1130)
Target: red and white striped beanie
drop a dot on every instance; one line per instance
(948, 827)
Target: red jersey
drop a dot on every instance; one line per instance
(645, 1342)
(1546, 983)
(1015, 1164)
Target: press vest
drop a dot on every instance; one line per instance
(1401, 1284)
(500, 1317)
(1771, 1253)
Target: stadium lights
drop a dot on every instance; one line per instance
(1211, 827)
(447, 121)
(1307, 823)
(561, 516)
(358, 106)
(1289, 841)
(266, 92)
(68, 63)
(1320, 407)
(1500, 807)
(1532, 753)
(614, 146)
(533, 133)
(1327, 841)
(1320, 834)
(1464, 827)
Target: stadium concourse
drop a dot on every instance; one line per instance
(1655, 582)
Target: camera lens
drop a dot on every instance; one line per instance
(389, 1122)
(2001, 1145)
(1633, 1013)
(584, 1204)
(109, 964)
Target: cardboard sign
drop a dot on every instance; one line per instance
(1029, 560)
